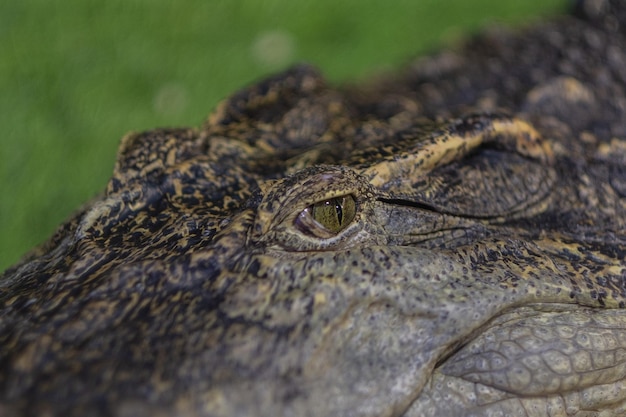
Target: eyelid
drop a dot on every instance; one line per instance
(276, 219)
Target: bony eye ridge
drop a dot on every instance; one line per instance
(332, 215)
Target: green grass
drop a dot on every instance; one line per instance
(76, 75)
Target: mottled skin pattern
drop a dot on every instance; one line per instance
(482, 272)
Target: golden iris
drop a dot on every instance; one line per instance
(334, 214)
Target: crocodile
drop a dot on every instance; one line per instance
(449, 240)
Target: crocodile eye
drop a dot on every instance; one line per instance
(332, 216)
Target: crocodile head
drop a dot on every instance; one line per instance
(449, 241)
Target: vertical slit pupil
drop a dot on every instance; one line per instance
(333, 214)
(339, 210)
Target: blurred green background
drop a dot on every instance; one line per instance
(77, 75)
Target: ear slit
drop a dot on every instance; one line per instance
(457, 140)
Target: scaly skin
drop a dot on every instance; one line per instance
(447, 242)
